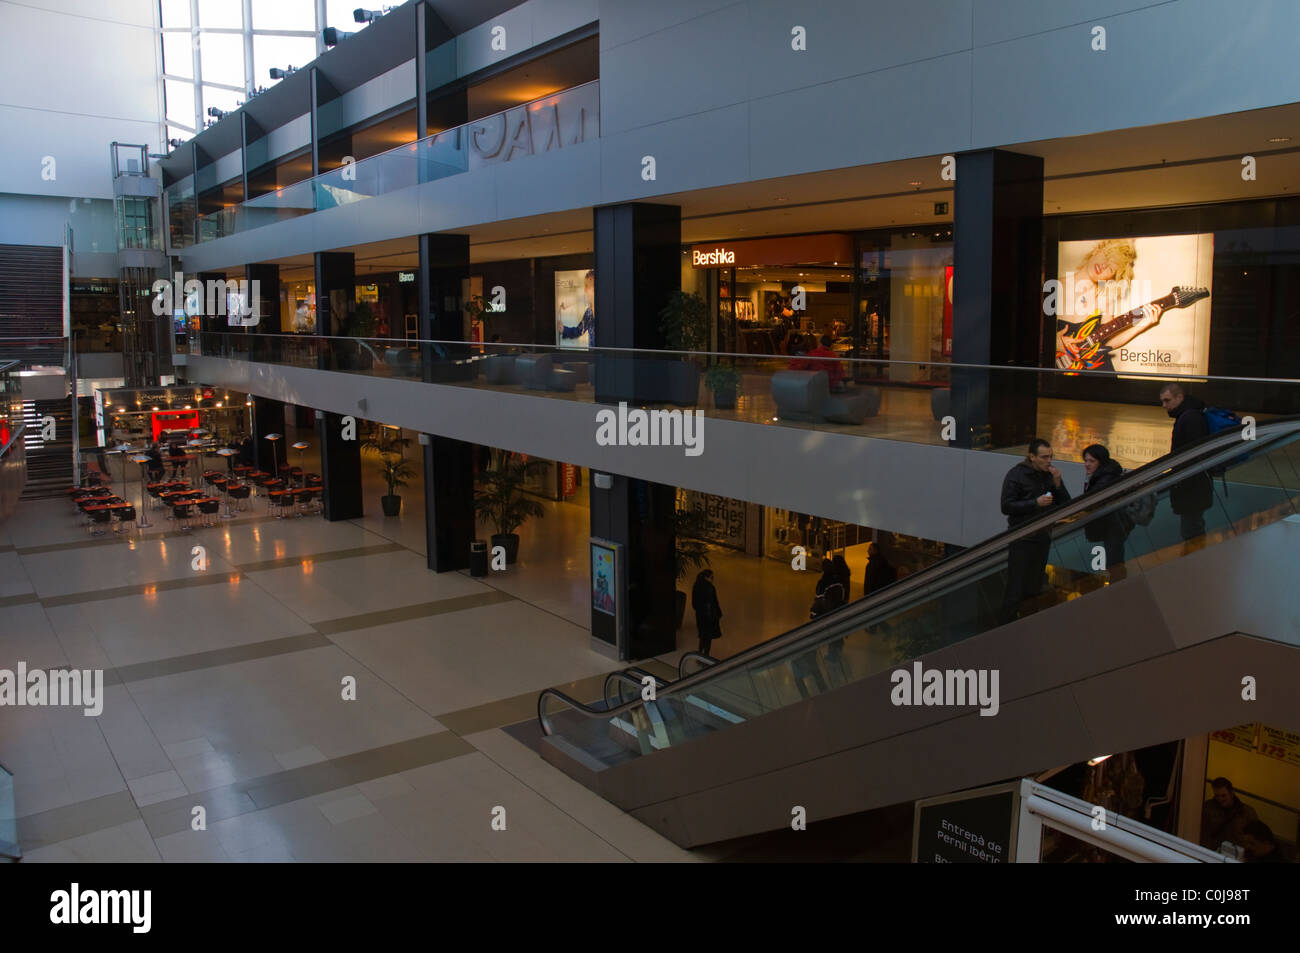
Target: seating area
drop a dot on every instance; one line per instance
(806, 395)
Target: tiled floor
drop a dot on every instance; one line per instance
(224, 690)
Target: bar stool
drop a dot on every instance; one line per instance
(99, 518)
(209, 508)
(304, 500)
(181, 511)
(124, 516)
(239, 493)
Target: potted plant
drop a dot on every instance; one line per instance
(724, 381)
(684, 322)
(390, 447)
(500, 498)
(691, 552)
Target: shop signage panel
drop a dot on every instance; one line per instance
(1242, 736)
(798, 249)
(1279, 744)
(971, 827)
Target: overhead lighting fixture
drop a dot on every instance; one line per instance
(1097, 760)
(368, 16)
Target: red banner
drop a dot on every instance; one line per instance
(947, 311)
(568, 479)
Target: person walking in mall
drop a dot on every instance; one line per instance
(840, 567)
(1189, 498)
(708, 613)
(1112, 529)
(1030, 488)
(831, 592)
(1224, 817)
(880, 571)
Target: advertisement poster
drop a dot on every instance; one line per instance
(1279, 744)
(1133, 304)
(947, 311)
(1241, 736)
(575, 309)
(602, 579)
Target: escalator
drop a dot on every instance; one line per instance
(1181, 638)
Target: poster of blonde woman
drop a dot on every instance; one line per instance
(1133, 304)
(575, 303)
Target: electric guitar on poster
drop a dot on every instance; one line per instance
(1084, 342)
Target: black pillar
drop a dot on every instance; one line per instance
(340, 462)
(997, 296)
(638, 251)
(639, 514)
(336, 292)
(267, 298)
(448, 502)
(448, 464)
(268, 418)
(212, 320)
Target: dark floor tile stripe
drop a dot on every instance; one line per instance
(368, 620)
(256, 794)
(74, 544)
(7, 547)
(74, 820)
(21, 599)
(508, 711)
(290, 561)
(228, 656)
(96, 595)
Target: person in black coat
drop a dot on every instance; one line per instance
(1112, 529)
(1189, 498)
(708, 613)
(831, 592)
(880, 572)
(1030, 488)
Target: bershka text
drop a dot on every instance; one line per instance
(946, 687)
(719, 256)
(76, 906)
(651, 428)
(1146, 357)
(64, 688)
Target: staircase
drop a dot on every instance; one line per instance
(49, 463)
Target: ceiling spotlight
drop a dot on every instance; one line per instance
(1280, 139)
(333, 36)
(915, 183)
(216, 113)
(277, 73)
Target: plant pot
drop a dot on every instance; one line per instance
(511, 543)
(392, 505)
(680, 605)
(724, 398)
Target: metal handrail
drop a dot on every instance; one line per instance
(708, 661)
(1151, 478)
(633, 675)
(573, 352)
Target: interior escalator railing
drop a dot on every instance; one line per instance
(1252, 483)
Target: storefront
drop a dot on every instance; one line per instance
(138, 415)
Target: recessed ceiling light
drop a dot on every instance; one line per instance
(782, 198)
(915, 182)
(1280, 139)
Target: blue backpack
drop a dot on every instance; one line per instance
(1219, 419)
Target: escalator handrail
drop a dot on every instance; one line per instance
(633, 675)
(708, 660)
(1152, 477)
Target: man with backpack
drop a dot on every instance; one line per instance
(1189, 498)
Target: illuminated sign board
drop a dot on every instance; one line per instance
(405, 277)
(719, 256)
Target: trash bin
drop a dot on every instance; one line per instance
(478, 558)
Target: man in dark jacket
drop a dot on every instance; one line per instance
(708, 613)
(1193, 496)
(880, 572)
(1030, 488)
(1224, 817)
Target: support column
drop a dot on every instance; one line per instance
(448, 502)
(639, 514)
(448, 464)
(268, 417)
(267, 300)
(340, 462)
(335, 306)
(638, 251)
(997, 296)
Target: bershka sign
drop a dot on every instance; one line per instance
(719, 256)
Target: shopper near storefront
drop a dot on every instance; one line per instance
(1112, 529)
(1030, 488)
(1224, 817)
(1193, 496)
(880, 572)
(708, 612)
(831, 592)
(1261, 846)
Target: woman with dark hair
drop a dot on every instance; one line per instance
(1112, 529)
(708, 613)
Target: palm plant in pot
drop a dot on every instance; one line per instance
(390, 446)
(684, 323)
(500, 498)
(691, 552)
(724, 381)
